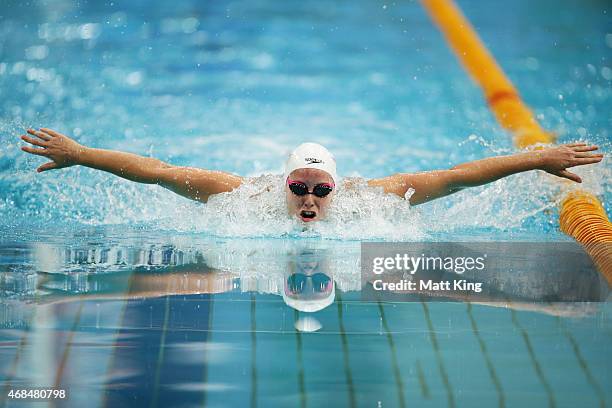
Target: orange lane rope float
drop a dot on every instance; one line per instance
(582, 215)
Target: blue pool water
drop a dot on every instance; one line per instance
(126, 294)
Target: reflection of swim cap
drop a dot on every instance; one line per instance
(310, 305)
(307, 324)
(311, 156)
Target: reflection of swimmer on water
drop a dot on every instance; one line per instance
(310, 173)
(305, 282)
(306, 293)
(308, 287)
(307, 279)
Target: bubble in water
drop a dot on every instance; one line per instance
(134, 78)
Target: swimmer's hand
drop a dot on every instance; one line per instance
(62, 150)
(430, 185)
(556, 160)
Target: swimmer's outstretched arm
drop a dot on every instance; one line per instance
(191, 182)
(435, 184)
(151, 285)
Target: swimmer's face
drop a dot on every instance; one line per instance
(309, 207)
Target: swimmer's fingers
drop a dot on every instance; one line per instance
(569, 175)
(584, 148)
(585, 155)
(575, 144)
(39, 152)
(47, 166)
(51, 132)
(35, 142)
(39, 134)
(589, 160)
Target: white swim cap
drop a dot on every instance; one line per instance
(311, 156)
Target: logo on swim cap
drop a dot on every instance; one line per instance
(311, 156)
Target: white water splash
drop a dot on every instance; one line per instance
(258, 208)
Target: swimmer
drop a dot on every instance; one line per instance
(310, 172)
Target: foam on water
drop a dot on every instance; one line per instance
(258, 208)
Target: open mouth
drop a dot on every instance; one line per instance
(307, 216)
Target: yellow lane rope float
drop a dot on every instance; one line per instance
(582, 216)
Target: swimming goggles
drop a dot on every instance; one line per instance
(296, 282)
(299, 189)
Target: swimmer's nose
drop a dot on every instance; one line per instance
(309, 202)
